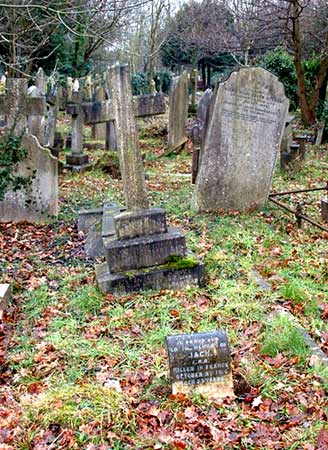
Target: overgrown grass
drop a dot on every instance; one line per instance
(70, 338)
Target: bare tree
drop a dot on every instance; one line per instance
(303, 28)
(26, 27)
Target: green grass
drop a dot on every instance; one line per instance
(283, 336)
(67, 337)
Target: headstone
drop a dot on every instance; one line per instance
(243, 136)
(178, 112)
(324, 208)
(287, 137)
(200, 363)
(5, 294)
(38, 201)
(36, 120)
(14, 105)
(198, 131)
(99, 129)
(53, 101)
(41, 82)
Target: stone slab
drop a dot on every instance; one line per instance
(247, 119)
(93, 244)
(110, 210)
(5, 294)
(129, 225)
(200, 363)
(144, 251)
(155, 278)
(87, 218)
(149, 105)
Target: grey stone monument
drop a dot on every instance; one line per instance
(243, 136)
(38, 201)
(178, 112)
(142, 246)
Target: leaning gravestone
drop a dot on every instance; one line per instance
(36, 202)
(200, 363)
(243, 136)
(198, 131)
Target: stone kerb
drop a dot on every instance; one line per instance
(243, 136)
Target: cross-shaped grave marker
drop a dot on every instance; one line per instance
(141, 241)
(102, 112)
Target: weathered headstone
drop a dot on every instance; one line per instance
(178, 112)
(243, 136)
(99, 129)
(200, 363)
(324, 208)
(38, 201)
(198, 131)
(36, 120)
(287, 137)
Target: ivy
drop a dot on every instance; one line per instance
(11, 153)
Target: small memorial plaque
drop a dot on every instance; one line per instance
(200, 363)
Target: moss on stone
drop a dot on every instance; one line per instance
(173, 262)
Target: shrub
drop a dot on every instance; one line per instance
(280, 63)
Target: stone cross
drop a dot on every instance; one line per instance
(103, 112)
(118, 79)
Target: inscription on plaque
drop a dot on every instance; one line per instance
(200, 363)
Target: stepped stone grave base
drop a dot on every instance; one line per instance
(78, 162)
(80, 168)
(148, 255)
(151, 278)
(144, 251)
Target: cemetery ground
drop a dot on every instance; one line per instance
(86, 370)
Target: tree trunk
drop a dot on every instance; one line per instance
(203, 75)
(307, 115)
(208, 76)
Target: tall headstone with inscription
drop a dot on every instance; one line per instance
(200, 363)
(243, 136)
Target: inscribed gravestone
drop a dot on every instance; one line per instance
(38, 201)
(178, 111)
(200, 363)
(243, 135)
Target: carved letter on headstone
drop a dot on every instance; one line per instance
(200, 363)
